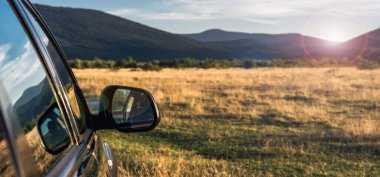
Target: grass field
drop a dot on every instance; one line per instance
(251, 122)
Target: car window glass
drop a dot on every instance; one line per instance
(26, 86)
(77, 106)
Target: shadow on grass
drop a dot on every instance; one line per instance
(364, 105)
(212, 148)
(300, 98)
(269, 117)
(249, 144)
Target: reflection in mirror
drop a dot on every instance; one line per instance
(132, 109)
(53, 131)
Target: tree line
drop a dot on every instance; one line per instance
(227, 63)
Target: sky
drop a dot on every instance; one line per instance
(335, 20)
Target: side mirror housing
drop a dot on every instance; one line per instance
(127, 109)
(52, 130)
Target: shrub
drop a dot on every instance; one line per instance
(368, 64)
(151, 66)
(209, 63)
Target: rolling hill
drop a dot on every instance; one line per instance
(280, 45)
(87, 34)
(292, 45)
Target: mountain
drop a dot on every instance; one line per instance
(87, 34)
(292, 45)
(366, 45)
(215, 35)
(287, 46)
(373, 47)
(245, 48)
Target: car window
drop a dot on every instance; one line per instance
(77, 105)
(29, 91)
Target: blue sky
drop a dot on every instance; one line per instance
(336, 20)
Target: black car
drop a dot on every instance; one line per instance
(46, 126)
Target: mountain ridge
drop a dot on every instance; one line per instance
(87, 34)
(294, 45)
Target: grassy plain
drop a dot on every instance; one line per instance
(251, 122)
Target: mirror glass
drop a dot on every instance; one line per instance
(53, 130)
(132, 109)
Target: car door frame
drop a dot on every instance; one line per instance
(88, 139)
(72, 160)
(31, 9)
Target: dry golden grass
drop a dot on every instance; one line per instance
(251, 122)
(6, 166)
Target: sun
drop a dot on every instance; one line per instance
(335, 35)
(334, 26)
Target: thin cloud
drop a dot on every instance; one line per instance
(127, 12)
(258, 11)
(262, 21)
(124, 12)
(3, 51)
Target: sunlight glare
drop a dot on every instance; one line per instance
(334, 35)
(334, 26)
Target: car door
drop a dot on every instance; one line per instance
(28, 94)
(85, 155)
(104, 163)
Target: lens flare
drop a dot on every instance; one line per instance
(338, 28)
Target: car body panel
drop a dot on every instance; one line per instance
(88, 155)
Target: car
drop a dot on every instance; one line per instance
(46, 126)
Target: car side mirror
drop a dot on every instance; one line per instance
(53, 131)
(129, 109)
